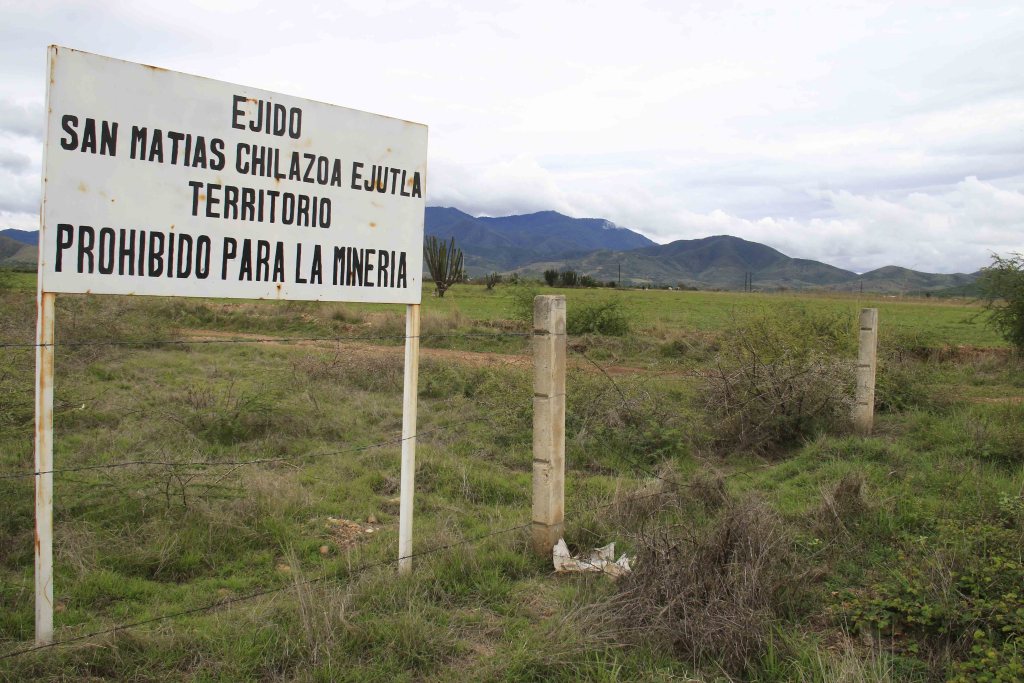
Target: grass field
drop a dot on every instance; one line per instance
(890, 558)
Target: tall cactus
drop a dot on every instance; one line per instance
(444, 263)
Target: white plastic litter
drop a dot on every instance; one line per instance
(600, 560)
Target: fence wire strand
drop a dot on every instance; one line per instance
(237, 463)
(262, 593)
(670, 485)
(267, 340)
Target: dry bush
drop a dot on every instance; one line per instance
(712, 595)
(842, 505)
(629, 509)
(369, 372)
(708, 489)
(779, 380)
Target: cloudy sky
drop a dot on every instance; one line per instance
(858, 133)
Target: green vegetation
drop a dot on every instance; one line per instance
(889, 558)
(444, 263)
(1002, 288)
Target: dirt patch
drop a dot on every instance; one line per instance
(345, 533)
(470, 358)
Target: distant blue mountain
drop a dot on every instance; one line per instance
(508, 242)
(23, 236)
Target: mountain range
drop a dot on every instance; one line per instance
(533, 243)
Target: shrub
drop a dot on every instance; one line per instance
(521, 303)
(904, 359)
(606, 318)
(899, 386)
(1002, 291)
(956, 600)
(619, 424)
(778, 381)
(491, 280)
(712, 595)
(551, 277)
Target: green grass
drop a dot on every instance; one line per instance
(139, 542)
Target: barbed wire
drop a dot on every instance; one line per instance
(237, 463)
(350, 572)
(634, 462)
(269, 340)
(262, 593)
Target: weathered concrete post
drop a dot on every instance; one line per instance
(548, 422)
(867, 362)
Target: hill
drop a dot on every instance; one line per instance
(23, 236)
(720, 262)
(532, 243)
(16, 254)
(509, 242)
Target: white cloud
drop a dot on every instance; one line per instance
(21, 119)
(857, 133)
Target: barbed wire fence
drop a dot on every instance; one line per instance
(636, 466)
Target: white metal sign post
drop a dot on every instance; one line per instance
(162, 183)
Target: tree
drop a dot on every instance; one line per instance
(551, 277)
(444, 263)
(1002, 292)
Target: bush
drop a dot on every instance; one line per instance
(1002, 290)
(712, 595)
(521, 303)
(956, 600)
(778, 381)
(610, 424)
(606, 318)
(899, 386)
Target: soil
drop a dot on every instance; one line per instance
(471, 358)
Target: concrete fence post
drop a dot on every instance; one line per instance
(867, 363)
(548, 422)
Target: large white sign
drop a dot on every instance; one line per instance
(158, 182)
